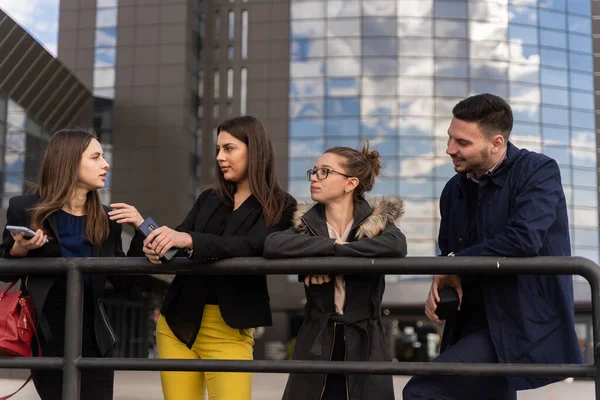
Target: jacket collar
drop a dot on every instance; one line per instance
(498, 176)
(369, 220)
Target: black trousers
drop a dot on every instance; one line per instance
(476, 347)
(335, 384)
(95, 385)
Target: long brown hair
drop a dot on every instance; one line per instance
(364, 165)
(57, 183)
(262, 178)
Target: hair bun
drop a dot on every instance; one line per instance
(372, 157)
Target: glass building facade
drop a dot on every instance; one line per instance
(23, 142)
(391, 71)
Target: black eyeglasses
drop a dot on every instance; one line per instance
(322, 173)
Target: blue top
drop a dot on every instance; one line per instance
(71, 235)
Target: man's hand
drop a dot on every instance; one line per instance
(439, 281)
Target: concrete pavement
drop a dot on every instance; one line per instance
(134, 385)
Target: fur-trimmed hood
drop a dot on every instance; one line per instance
(369, 219)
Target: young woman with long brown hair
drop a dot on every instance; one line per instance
(69, 220)
(212, 317)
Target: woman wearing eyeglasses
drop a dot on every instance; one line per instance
(342, 320)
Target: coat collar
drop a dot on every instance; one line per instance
(499, 176)
(369, 220)
(212, 204)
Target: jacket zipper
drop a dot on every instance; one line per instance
(106, 322)
(330, 355)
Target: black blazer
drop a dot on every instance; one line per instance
(38, 286)
(243, 300)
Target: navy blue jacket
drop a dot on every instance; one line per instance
(521, 213)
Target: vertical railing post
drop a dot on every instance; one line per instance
(73, 334)
(593, 278)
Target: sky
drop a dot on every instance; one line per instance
(38, 17)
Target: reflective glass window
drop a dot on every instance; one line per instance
(525, 93)
(586, 237)
(346, 27)
(379, 126)
(446, 28)
(419, 106)
(379, 8)
(550, 38)
(526, 112)
(377, 66)
(523, 34)
(580, 43)
(451, 48)
(417, 188)
(555, 116)
(582, 100)
(378, 105)
(555, 135)
(583, 139)
(377, 86)
(105, 57)
(582, 81)
(583, 158)
(415, 87)
(487, 31)
(560, 154)
(379, 47)
(451, 68)
(343, 47)
(582, 62)
(379, 26)
(306, 107)
(245, 33)
(307, 69)
(554, 58)
(343, 87)
(489, 50)
(486, 86)
(585, 197)
(306, 147)
(344, 106)
(450, 9)
(522, 15)
(415, 47)
(106, 37)
(343, 66)
(306, 127)
(580, 7)
(557, 5)
(303, 49)
(342, 8)
(386, 146)
(555, 77)
(582, 119)
(488, 11)
(415, 147)
(451, 88)
(104, 77)
(414, 66)
(407, 27)
(230, 25)
(298, 167)
(523, 73)
(306, 29)
(557, 97)
(583, 177)
(334, 141)
(106, 17)
(489, 70)
(554, 20)
(415, 8)
(412, 126)
(524, 54)
(307, 9)
(580, 24)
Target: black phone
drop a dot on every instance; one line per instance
(148, 226)
(448, 304)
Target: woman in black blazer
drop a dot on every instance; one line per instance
(70, 221)
(211, 317)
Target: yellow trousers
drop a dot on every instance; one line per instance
(215, 341)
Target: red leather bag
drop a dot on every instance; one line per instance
(17, 326)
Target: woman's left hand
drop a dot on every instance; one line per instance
(164, 238)
(316, 279)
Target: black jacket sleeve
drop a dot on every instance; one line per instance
(15, 215)
(208, 246)
(390, 243)
(292, 244)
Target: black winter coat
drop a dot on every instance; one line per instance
(373, 234)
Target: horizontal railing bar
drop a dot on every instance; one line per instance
(259, 266)
(32, 362)
(335, 367)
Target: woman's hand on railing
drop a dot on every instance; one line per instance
(316, 279)
(22, 246)
(163, 239)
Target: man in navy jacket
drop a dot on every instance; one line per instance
(503, 202)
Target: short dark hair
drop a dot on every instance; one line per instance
(491, 113)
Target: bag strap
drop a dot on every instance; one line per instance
(31, 320)
(6, 290)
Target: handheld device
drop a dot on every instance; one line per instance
(148, 226)
(18, 229)
(448, 304)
